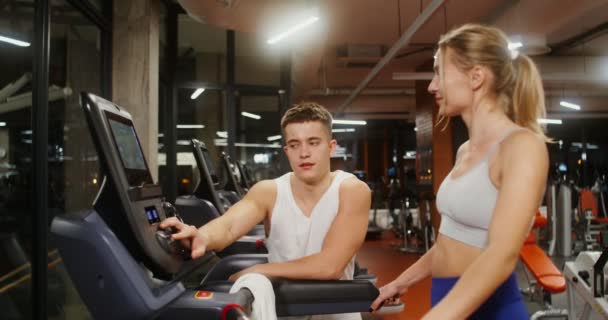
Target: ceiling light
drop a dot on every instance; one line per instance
(273, 138)
(223, 143)
(569, 105)
(515, 45)
(257, 145)
(15, 42)
(190, 126)
(549, 121)
(251, 115)
(2, 124)
(222, 134)
(293, 29)
(343, 130)
(183, 142)
(351, 122)
(197, 93)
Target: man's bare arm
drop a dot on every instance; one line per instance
(236, 222)
(241, 217)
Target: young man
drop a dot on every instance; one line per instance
(315, 219)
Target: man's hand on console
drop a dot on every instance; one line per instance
(189, 236)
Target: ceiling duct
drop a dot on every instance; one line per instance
(359, 55)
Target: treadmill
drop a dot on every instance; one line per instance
(206, 203)
(233, 184)
(125, 267)
(245, 180)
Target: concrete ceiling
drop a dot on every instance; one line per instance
(575, 68)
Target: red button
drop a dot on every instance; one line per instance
(203, 295)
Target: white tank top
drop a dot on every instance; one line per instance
(294, 236)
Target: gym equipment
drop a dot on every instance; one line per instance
(551, 196)
(125, 267)
(373, 230)
(411, 229)
(233, 183)
(586, 276)
(563, 231)
(205, 203)
(595, 225)
(547, 277)
(419, 226)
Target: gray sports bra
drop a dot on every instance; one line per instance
(466, 203)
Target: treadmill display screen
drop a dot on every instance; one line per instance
(152, 214)
(128, 146)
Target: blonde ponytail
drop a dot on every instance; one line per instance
(528, 100)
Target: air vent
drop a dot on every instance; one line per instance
(359, 55)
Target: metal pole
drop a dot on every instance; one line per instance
(230, 93)
(171, 106)
(40, 158)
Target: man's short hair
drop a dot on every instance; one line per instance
(305, 112)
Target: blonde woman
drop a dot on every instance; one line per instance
(489, 199)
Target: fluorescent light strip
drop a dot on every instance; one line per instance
(197, 93)
(351, 122)
(515, 45)
(293, 29)
(273, 138)
(223, 143)
(15, 42)
(569, 105)
(549, 121)
(251, 115)
(222, 134)
(343, 130)
(190, 126)
(257, 145)
(2, 124)
(183, 142)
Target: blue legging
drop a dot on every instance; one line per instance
(505, 303)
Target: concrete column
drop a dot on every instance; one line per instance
(135, 69)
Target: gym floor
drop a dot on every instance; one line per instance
(382, 258)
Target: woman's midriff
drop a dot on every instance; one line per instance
(452, 257)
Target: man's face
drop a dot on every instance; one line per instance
(308, 148)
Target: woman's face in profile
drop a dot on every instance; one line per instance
(450, 85)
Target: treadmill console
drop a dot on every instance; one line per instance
(136, 202)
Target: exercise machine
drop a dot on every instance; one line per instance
(125, 267)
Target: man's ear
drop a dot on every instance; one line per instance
(332, 146)
(477, 77)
